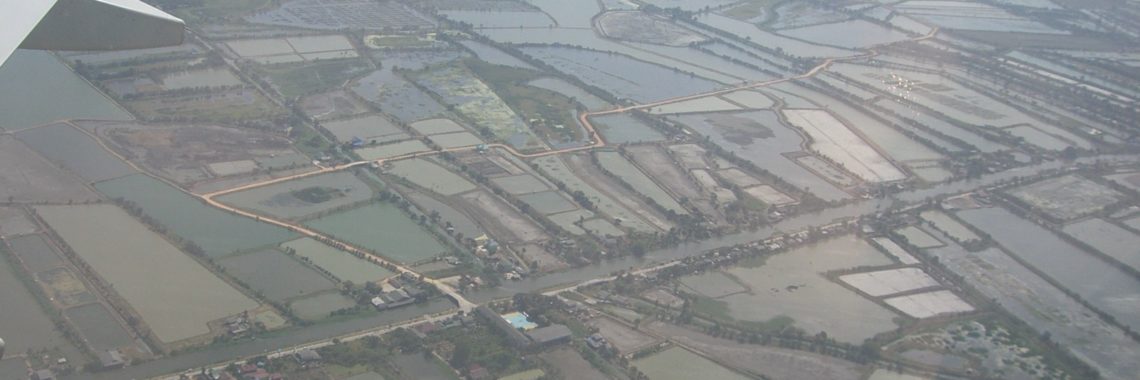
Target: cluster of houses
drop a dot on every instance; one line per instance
(526, 337)
(405, 291)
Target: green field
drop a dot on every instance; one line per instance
(297, 80)
(383, 228)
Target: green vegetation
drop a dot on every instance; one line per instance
(550, 113)
(294, 81)
(398, 41)
(203, 11)
(479, 345)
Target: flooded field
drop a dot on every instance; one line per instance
(640, 81)
(1101, 284)
(343, 14)
(677, 363)
(624, 128)
(475, 100)
(617, 164)
(397, 97)
(275, 275)
(99, 327)
(770, 361)
(69, 97)
(1045, 308)
(28, 177)
(35, 253)
(853, 34)
(771, 40)
(448, 214)
(380, 152)
(1109, 239)
(383, 228)
(340, 264)
(431, 176)
(218, 233)
(75, 151)
(372, 127)
(557, 170)
(791, 285)
(23, 323)
(835, 141)
(895, 250)
(14, 222)
(319, 306)
(94, 233)
(919, 238)
(548, 202)
(304, 197)
(760, 138)
(1067, 197)
(949, 226)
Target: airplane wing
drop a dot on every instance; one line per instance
(85, 25)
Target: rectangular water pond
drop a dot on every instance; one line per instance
(217, 232)
(340, 264)
(383, 228)
(175, 295)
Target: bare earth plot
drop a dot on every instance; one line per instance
(175, 295)
(926, 305)
(1067, 197)
(365, 128)
(27, 177)
(431, 176)
(775, 363)
(500, 213)
(889, 281)
(835, 141)
(677, 363)
(626, 340)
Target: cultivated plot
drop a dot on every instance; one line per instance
(95, 233)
